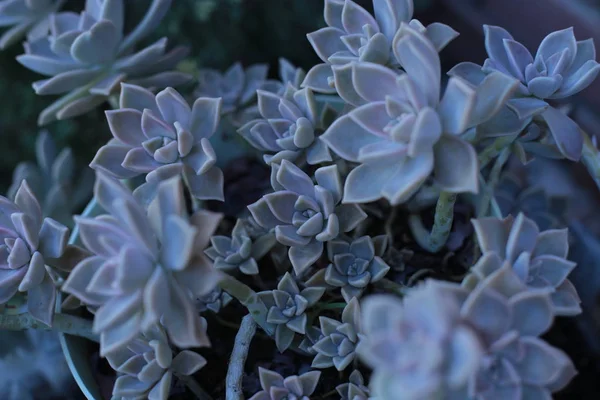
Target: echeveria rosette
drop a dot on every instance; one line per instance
(354, 389)
(25, 17)
(287, 307)
(55, 180)
(87, 55)
(516, 363)
(237, 87)
(418, 346)
(289, 127)
(239, 252)
(288, 75)
(303, 215)
(162, 136)
(29, 243)
(213, 301)
(337, 347)
(146, 367)
(562, 67)
(276, 387)
(354, 265)
(147, 265)
(403, 131)
(352, 34)
(538, 258)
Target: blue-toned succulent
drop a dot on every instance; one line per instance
(287, 307)
(162, 136)
(402, 132)
(25, 17)
(354, 265)
(418, 346)
(538, 258)
(31, 246)
(237, 87)
(146, 367)
(87, 55)
(354, 389)
(304, 215)
(353, 35)
(57, 183)
(561, 68)
(213, 301)
(147, 265)
(239, 252)
(276, 387)
(289, 127)
(288, 75)
(337, 347)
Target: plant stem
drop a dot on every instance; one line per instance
(63, 323)
(444, 215)
(248, 297)
(238, 358)
(194, 387)
(488, 191)
(488, 154)
(591, 158)
(330, 306)
(390, 285)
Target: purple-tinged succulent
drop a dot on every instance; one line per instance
(561, 68)
(354, 265)
(353, 35)
(304, 215)
(213, 301)
(276, 387)
(311, 336)
(25, 17)
(337, 347)
(354, 389)
(239, 252)
(147, 265)
(162, 136)
(88, 56)
(237, 87)
(418, 346)
(55, 180)
(287, 307)
(402, 132)
(30, 242)
(289, 127)
(146, 367)
(288, 75)
(538, 258)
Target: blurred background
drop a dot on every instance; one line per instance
(221, 32)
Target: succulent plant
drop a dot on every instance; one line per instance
(287, 307)
(402, 132)
(352, 34)
(30, 243)
(54, 180)
(161, 136)
(213, 301)
(25, 17)
(354, 389)
(304, 215)
(418, 346)
(170, 269)
(337, 347)
(311, 336)
(288, 75)
(276, 387)
(146, 367)
(239, 252)
(538, 258)
(289, 127)
(353, 266)
(87, 56)
(514, 196)
(561, 68)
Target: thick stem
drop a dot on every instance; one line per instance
(442, 224)
(235, 372)
(591, 158)
(194, 387)
(490, 152)
(63, 323)
(488, 192)
(248, 297)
